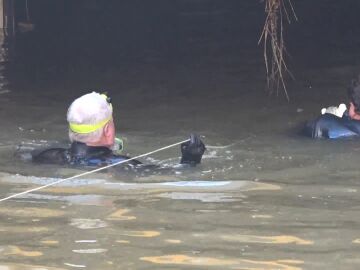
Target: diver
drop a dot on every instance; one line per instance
(354, 94)
(331, 126)
(92, 137)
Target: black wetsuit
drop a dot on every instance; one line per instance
(80, 154)
(332, 127)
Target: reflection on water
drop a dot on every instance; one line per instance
(280, 239)
(90, 251)
(16, 230)
(27, 267)
(234, 264)
(85, 224)
(120, 215)
(75, 265)
(145, 234)
(16, 251)
(211, 224)
(31, 212)
(204, 197)
(220, 225)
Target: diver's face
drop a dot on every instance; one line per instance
(353, 113)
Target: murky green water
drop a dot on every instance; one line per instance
(263, 197)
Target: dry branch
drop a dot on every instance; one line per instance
(274, 46)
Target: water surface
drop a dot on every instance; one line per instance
(264, 197)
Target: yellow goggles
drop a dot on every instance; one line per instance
(84, 129)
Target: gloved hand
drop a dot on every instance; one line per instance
(192, 150)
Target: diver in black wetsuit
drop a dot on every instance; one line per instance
(333, 127)
(92, 133)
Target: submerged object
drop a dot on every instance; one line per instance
(330, 126)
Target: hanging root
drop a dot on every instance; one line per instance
(274, 46)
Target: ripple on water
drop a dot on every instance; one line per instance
(90, 251)
(200, 196)
(31, 212)
(120, 214)
(24, 229)
(180, 259)
(15, 250)
(47, 180)
(75, 265)
(27, 267)
(145, 234)
(84, 224)
(278, 239)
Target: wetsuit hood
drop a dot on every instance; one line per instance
(81, 150)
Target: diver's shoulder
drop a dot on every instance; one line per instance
(55, 155)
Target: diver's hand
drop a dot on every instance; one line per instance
(192, 150)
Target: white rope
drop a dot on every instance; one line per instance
(90, 172)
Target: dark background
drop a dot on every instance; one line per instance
(84, 37)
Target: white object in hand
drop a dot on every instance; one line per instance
(338, 111)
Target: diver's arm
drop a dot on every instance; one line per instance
(192, 151)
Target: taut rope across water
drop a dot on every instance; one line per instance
(92, 171)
